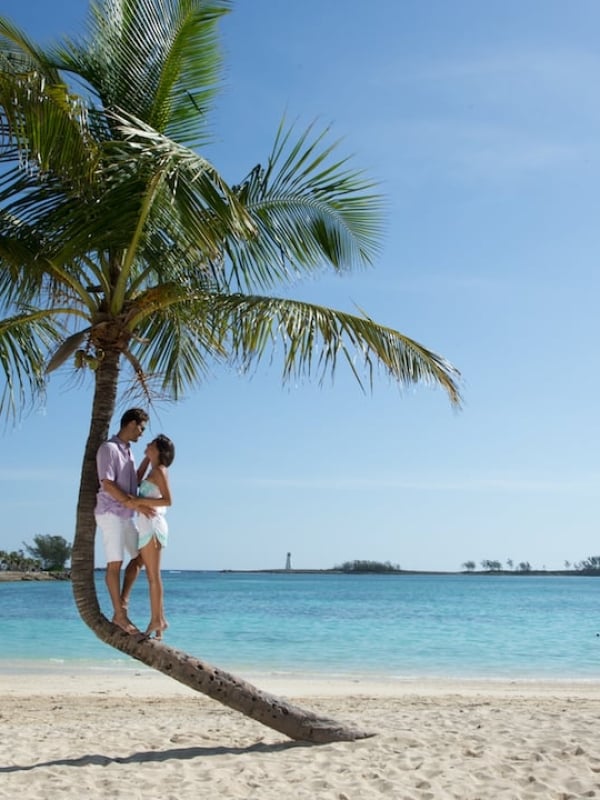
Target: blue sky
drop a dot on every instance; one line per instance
(481, 123)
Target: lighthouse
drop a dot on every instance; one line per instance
(288, 561)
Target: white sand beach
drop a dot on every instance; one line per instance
(141, 736)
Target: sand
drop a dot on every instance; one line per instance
(138, 734)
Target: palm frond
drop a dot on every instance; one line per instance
(206, 210)
(28, 276)
(160, 60)
(180, 332)
(143, 178)
(177, 348)
(309, 210)
(313, 338)
(25, 340)
(43, 124)
(19, 55)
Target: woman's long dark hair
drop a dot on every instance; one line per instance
(166, 450)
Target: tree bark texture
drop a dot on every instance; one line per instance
(233, 692)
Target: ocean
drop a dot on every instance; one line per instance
(330, 625)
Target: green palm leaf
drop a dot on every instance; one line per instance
(159, 60)
(25, 339)
(314, 337)
(45, 126)
(310, 211)
(310, 338)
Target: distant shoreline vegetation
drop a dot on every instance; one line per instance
(29, 571)
(368, 566)
(589, 566)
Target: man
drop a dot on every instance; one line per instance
(116, 504)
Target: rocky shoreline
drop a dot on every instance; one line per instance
(13, 575)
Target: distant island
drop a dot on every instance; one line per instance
(590, 567)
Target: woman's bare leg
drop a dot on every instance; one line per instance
(151, 556)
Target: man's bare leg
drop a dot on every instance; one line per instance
(132, 570)
(113, 584)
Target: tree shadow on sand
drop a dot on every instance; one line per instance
(157, 756)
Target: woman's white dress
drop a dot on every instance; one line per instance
(156, 526)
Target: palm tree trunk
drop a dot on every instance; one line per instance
(233, 692)
(82, 558)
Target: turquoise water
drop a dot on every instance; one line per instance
(395, 626)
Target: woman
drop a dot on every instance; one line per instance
(155, 492)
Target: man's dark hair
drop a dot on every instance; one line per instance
(134, 415)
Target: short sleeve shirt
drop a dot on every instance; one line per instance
(114, 461)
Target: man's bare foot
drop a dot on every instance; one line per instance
(125, 624)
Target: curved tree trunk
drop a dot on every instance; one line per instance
(200, 676)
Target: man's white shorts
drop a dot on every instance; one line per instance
(119, 535)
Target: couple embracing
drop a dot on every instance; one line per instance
(130, 513)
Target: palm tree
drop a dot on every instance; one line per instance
(123, 252)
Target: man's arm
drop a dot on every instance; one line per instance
(127, 500)
(115, 491)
